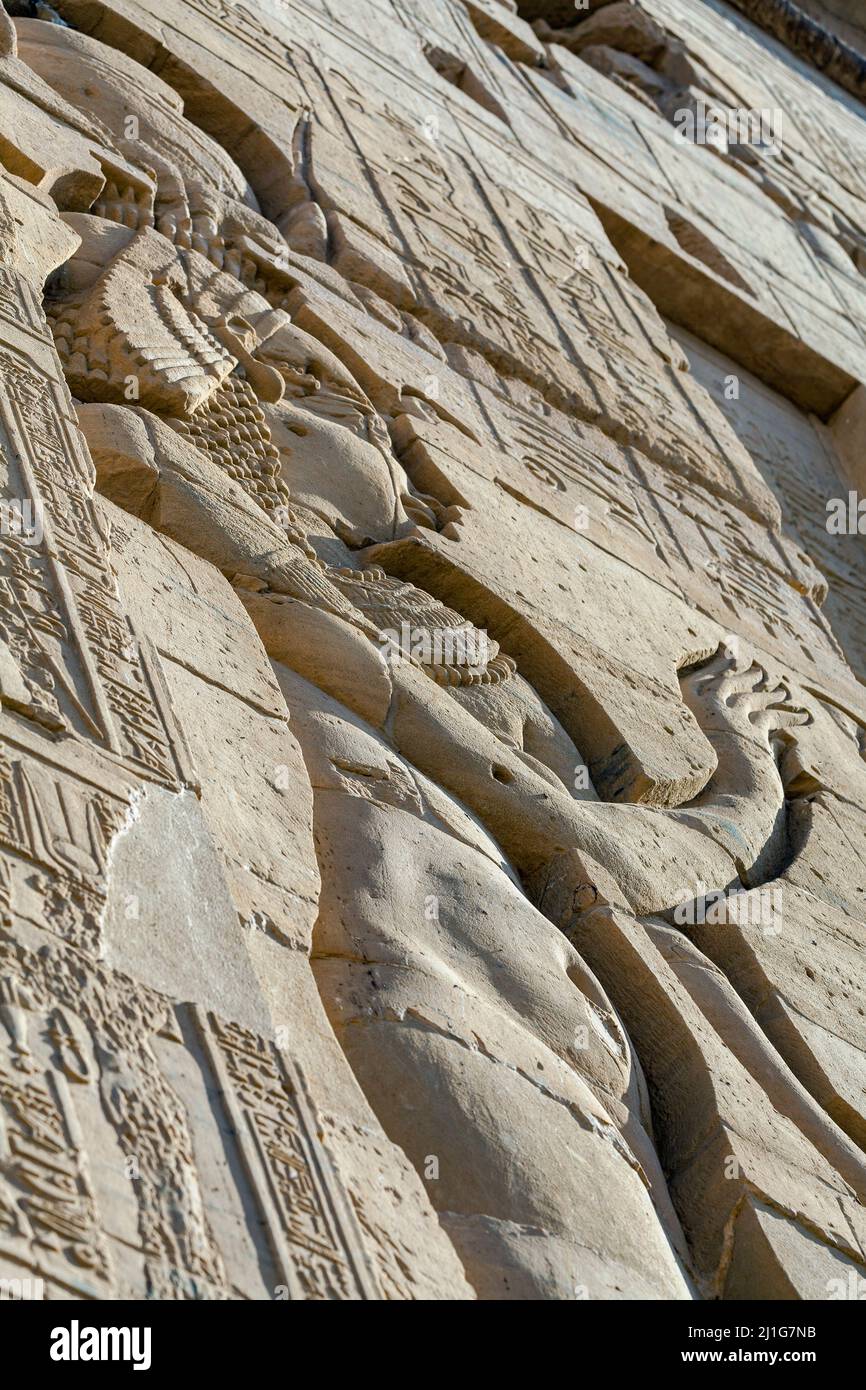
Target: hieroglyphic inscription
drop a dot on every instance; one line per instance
(48, 1218)
(309, 1226)
(67, 652)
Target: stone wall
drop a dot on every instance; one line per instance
(433, 761)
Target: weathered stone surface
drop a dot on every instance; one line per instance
(432, 730)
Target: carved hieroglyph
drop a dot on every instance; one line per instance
(432, 769)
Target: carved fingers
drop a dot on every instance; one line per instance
(732, 694)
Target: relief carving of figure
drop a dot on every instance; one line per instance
(465, 868)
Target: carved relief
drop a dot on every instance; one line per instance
(399, 639)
